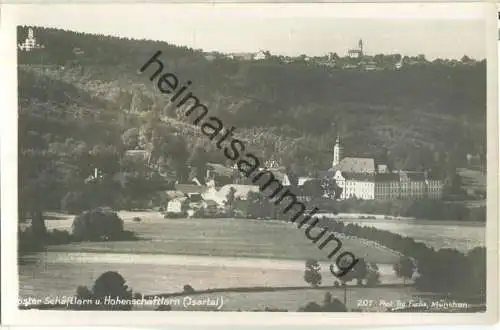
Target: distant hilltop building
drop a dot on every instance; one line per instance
(356, 52)
(364, 179)
(30, 42)
(261, 55)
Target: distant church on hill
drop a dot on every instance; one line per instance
(363, 178)
(30, 42)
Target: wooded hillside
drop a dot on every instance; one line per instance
(417, 116)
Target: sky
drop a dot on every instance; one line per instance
(436, 30)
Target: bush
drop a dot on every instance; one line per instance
(330, 304)
(97, 225)
(373, 278)
(57, 237)
(28, 242)
(109, 284)
(188, 289)
(312, 273)
(311, 307)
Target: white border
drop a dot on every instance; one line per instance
(8, 100)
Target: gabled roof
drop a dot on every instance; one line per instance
(137, 154)
(356, 165)
(304, 179)
(220, 169)
(187, 188)
(278, 174)
(281, 176)
(210, 202)
(179, 199)
(359, 176)
(241, 190)
(173, 194)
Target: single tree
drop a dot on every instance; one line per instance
(313, 189)
(360, 271)
(405, 268)
(97, 225)
(230, 199)
(373, 276)
(332, 305)
(312, 273)
(112, 284)
(188, 289)
(198, 161)
(344, 277)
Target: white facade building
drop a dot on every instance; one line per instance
(361, 178)
(176, 205)
(30, 42)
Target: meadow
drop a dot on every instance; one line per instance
(221, 237)
(208, 254)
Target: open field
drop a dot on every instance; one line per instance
(59, 273)
(209, 254)
(221, 237)
(292, 300)
(438, 234)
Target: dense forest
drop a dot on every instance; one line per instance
(416, 114)
(82, 104)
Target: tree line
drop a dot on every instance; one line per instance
(434, 106)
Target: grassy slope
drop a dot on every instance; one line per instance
(224, 237)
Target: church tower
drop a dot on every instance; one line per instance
(337, 152)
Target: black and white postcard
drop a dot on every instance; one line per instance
(309, 159)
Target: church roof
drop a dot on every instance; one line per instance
(356, 165)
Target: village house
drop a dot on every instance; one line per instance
(242, 56)
(177, 206)
(220, 174)
(137, 156)
(212, 56)
(262, 55)
(193, 192)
